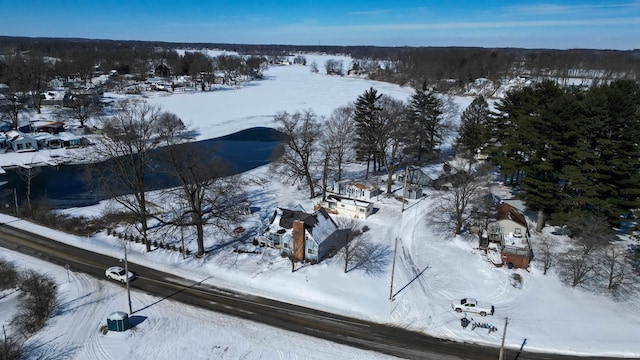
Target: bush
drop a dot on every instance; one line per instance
(37, 303)
(10, 349)
(8, 275)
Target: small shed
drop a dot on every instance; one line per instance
(118, 321)
(412, 192)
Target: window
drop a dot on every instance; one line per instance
(361, 210)
(310, 251)
(286, 245)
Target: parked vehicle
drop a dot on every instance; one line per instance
(117, 273)
(474, 306)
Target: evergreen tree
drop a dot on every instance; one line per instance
(507, 146)
(615, 173)
(473, 131)
(368, 127)
(547, 143)
(426, 114)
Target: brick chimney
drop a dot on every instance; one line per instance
(298, 240)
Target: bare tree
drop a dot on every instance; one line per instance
(129, 137)
(358, 252)
(393, 137)
(578, 268)
(10, 348)
(301, 135)
(580, 264)
(82, 108)
(207, 193)
(546, 254)
(29, 75)
(615, 267)
(352, 241)
(10, 108)
(340, 132)
(466, 193)
(27, 173)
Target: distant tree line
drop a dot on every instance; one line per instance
(442, 68)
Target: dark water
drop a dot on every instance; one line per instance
(70, 186)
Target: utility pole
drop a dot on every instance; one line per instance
(404, 187)
(15, 199)
(393, 268)
(126, 272)
(504, 335)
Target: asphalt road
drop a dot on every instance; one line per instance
(358, 333)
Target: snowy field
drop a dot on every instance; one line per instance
(433, 268)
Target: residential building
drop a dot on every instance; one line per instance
(308, 237)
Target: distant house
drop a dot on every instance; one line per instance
(86, 95)
(356, 190)
(46, 140)
(20, 142)
(69, 140)
(347, 207)
(309, 237)
(51, 127)
(509, 229)
(415, 176)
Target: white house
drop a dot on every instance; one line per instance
(347, 207)
(21, 142)
(356, 190)
(308, 237)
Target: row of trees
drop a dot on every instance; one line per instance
(140, 138)
(384, 132)
(403, 65)
(573, 153)
(593, 260)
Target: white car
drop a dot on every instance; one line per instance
(117, 273)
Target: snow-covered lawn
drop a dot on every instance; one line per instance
(433, 268)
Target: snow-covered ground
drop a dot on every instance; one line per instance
(433, 268)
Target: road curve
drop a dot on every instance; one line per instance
(354, 332)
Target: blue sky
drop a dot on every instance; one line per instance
(530, 24)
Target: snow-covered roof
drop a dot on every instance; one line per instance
(324, 226)
(319, 224)
(508, 212)
(348, 200)
(118, 315)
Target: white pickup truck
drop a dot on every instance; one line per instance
(474, 306)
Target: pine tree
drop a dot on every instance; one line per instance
(368, 127)
(426, 114)
(473, 131)
(615, 171)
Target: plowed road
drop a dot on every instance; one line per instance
(358, 333)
